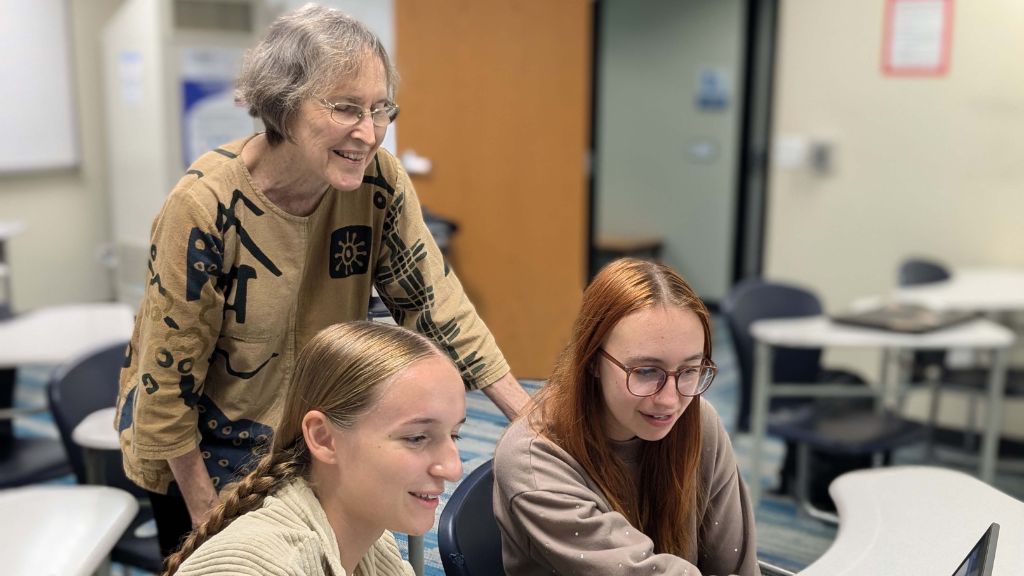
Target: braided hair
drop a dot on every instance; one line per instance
(339, 373)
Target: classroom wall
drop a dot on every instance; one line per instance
(57, 259)
(665, 166)
(926, 165)
(922, 165)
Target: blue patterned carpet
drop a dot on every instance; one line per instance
(784, 538)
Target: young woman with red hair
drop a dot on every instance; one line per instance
(620, 467)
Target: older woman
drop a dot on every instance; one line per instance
(266, 240)
(622, 467)
(366, 442)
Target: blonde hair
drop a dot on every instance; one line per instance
(339, 372)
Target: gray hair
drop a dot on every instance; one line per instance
(303, 54)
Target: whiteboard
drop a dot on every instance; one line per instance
(37, 121)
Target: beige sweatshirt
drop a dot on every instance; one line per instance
(554, 518)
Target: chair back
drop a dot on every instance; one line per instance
(467, 534)
(916, 271)
(756, 299)
(80, 388)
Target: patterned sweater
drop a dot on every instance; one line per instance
(288, 536)
(554, 519)
(237, 287)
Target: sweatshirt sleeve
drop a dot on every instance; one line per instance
(574, 537)
(552, 518)
(728, 543)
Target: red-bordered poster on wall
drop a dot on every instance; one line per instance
(917, 38)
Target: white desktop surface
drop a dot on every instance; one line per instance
(918, 520)
(96, 431)
(819, 332)
(976, 289)
(61, 530)
(60, 334)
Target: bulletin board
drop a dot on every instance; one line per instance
(37, 117)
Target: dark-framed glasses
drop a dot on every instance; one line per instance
(646, 381)
(348, 114)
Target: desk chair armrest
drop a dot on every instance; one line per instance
(12, 413)
(768, 569)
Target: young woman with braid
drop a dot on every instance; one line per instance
(364, 446)
(620, 466)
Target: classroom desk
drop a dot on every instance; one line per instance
(59, 334)
(918, 520)
(820, 332)
(96, 434)
(65, 530)
(989, 290)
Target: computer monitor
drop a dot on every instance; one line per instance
(980, 559)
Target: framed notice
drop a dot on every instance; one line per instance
(917, 37)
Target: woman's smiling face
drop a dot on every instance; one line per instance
(337, 154)
(397, 457)
(664, 336)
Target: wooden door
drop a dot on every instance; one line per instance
(496, 93)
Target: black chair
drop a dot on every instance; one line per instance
(825, 436)
(76, 390)
(930, 366)
(915, 271)
(755, 299)
(467, 534)
(24, 460)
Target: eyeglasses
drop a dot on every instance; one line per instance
(646, 381)
(348, 114)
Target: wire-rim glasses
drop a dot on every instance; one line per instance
(644, 381)
(348, 114)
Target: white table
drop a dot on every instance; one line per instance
(918, 520)
(61, 530)
(96, 434)
(990, 290)
(59, 334)
(820, 332)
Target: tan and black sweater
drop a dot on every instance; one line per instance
(236, 287)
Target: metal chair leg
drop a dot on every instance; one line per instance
(932, 380)
(416, 554)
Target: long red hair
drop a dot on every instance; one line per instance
(572, 407)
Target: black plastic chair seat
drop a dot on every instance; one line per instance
(976, 379)
(33, 460)
(856, 433)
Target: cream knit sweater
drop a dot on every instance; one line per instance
(288, 536)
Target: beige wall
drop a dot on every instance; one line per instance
(922, 165)
(57, 258)
(927, 166)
